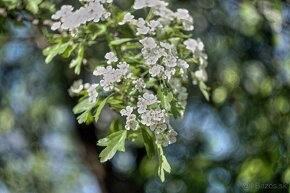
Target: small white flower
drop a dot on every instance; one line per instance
(93, 94)
(170, 60)
(153, 24)
(141, 107)
(70, 20)
(56, 25)
(139, 4)
(126, 112)
(141, 27)
(131, 122)
(169, 72)
(194, 45)
(156, 70)
(111, 57)
(65, 11)
(183, 64)
(166, 45)
(143, 30)
(111, 75)
(182, 14)
(185, 18)
(77, 86)
(128, 17)
(139, 84)
(148, 43)
(150, 98)
(201, 75)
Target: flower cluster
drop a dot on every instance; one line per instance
(162, 58)
(68, 19)
(167, 60)
(154, 118)
(111, 75)
(131, 122)
(150, 59)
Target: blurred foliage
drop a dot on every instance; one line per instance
(238, 142)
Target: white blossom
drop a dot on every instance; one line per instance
(139, 4)
(141, 27)
(131, 122)
(201, 75)
(111, 57)
(153, 117)
(170, 60)
(185, 18)
(55, 26)
(156, 70)
(183, 64)
(169, 72)
(128, 17)
(111, 75)
(166, 45)
(139, 84)
(92, 93)
(194, 45)
(126, 112)
(154, 24)
(92, 11)
(64, 12)
(76, 87)
(145, 101)
(148, 43)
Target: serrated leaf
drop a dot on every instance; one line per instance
(84, 117)
(113, 143)
(54, 50)
(100, 108)
(163, 163)
(148, 142)
(84, 107)
(120, 41)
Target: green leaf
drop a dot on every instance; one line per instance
(100, 108)
(114, 126)
(11, 4)
(32, 5)
(77, 62)
(204, 89)
(84, 107)
(163, 163)
(113, 143)
(165, 98)
(54, 50)
(85, 117)
(69, 51)
(120, 41)
(167, 101)
(148, 142)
